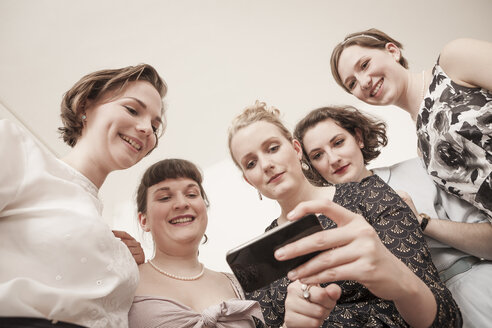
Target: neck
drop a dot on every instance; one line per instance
(88, 168)
(182, 265)
(412, 96)
(304, 191)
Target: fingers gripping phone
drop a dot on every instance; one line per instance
(253, 262)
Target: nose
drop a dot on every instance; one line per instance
(181, 202)
(365, 81)
(266, 163)
(144, 126)
(333, 158)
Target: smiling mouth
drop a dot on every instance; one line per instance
(131, 142)
(377, 87)
(182, 219)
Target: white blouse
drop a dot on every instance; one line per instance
(59, 260)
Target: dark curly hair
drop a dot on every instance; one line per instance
(93, 86)
(371, 38)
(373, 132)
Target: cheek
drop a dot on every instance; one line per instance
(321, 167)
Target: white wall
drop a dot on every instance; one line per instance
(217, 57)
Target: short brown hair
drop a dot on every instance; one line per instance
(256, 113)
(173, 168)
(93, 86)
(373, 131)
(371, 38)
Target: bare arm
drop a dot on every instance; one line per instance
(468, 62)
(471, 238)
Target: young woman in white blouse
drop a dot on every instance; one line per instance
(66, 269)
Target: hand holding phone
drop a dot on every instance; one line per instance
(254, 264)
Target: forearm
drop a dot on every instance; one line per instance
(472, 238)
(417, 304)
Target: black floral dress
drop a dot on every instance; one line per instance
(454, 130)
(399, 231)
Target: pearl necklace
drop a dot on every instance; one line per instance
(170, 275)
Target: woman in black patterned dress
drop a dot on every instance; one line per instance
(451, 104)
(375, 270)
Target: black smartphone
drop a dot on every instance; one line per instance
(253, 262)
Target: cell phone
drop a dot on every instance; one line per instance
(253, 262)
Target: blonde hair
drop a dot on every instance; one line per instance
(256, 113)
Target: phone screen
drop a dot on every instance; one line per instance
(253, 263)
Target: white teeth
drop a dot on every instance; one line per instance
(376, 89)
(131, 142)
(181, 220)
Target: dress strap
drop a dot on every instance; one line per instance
(235, 285)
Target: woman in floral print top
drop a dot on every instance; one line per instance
(451, 105)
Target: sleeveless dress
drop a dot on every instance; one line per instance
(454, 130)
(157, 311)
(399, 231)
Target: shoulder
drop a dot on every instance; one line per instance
(8, 128)
(462, 58)
(457, 48)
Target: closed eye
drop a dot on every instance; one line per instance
(131, 110)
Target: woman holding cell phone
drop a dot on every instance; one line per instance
(385, 276)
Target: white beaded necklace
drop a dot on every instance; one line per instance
(170, 275)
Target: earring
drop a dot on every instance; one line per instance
(304, 166)
(84, 117)
(259, 195)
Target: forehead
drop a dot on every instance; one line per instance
(142, 91)
(350, 56)
(321, 133)
(172, 184)
(252, 136)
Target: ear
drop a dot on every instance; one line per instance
(298, 148)
(358, 138)
(393, 50)
(142, 219)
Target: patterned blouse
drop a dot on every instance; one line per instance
(454, 130)
(399, 231)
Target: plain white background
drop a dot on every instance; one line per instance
(217, 57)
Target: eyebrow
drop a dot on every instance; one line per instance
(318, 148)
(167, 188)
(262, 145)
(141, 103)
(355, 65)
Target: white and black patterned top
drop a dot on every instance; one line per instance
(454, 130)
